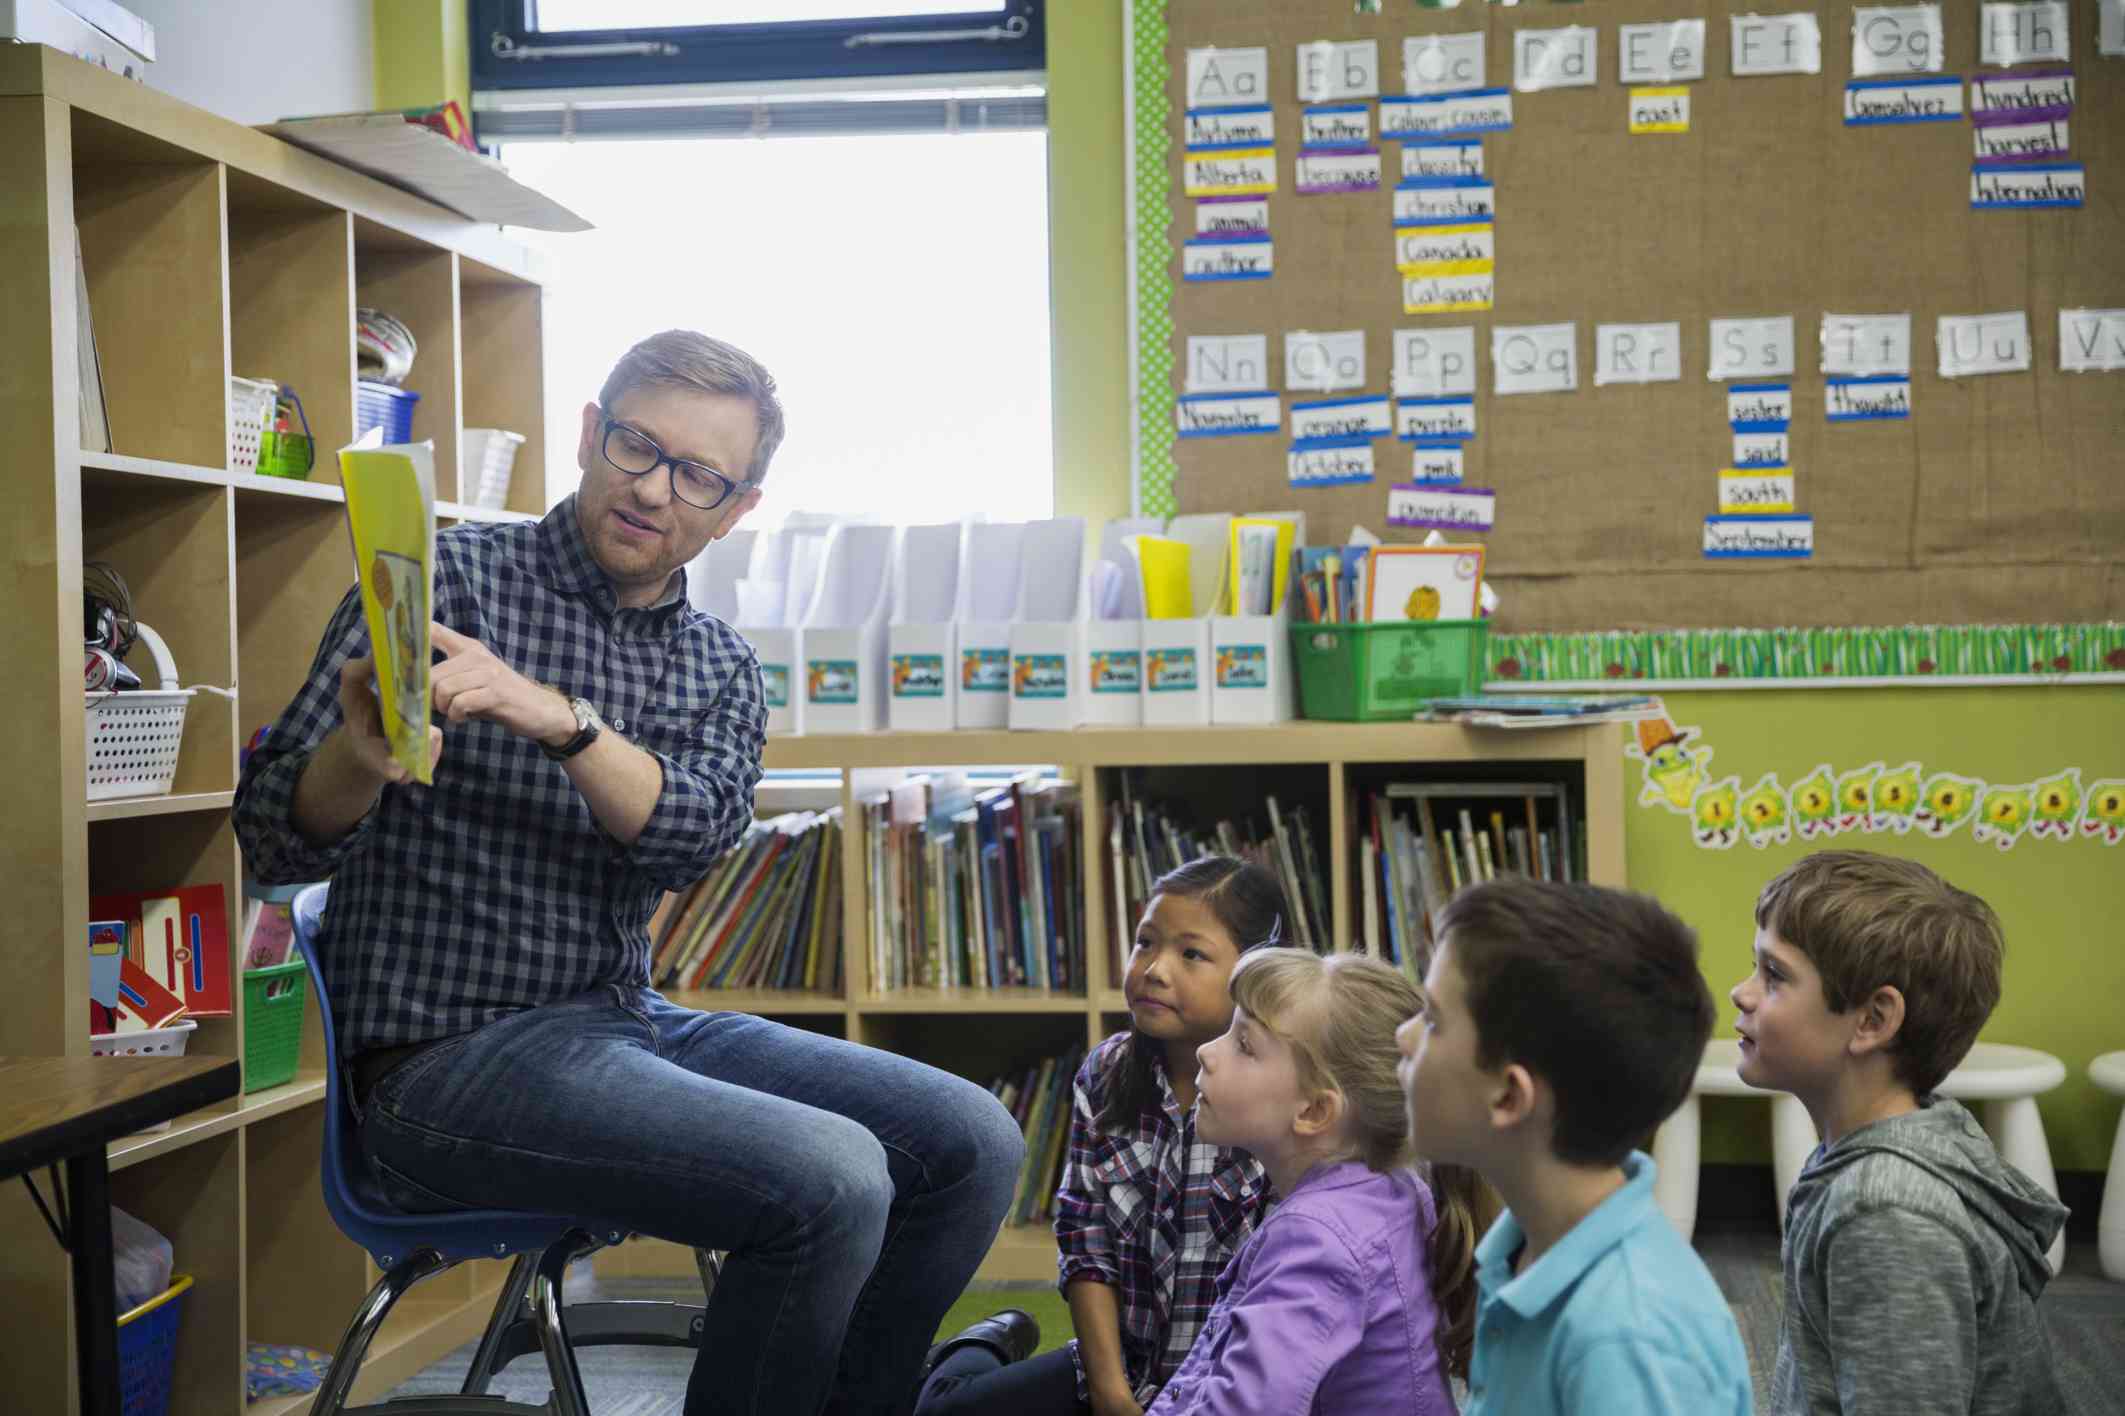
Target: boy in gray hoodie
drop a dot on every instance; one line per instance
(1914, 1255)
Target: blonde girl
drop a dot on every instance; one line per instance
(1357, 1293)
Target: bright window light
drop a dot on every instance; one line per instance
(896, 287)
(556, 15)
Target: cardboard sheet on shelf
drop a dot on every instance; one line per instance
(427, 164)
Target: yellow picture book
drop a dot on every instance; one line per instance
(391, 517)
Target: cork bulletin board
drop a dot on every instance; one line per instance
(2000, 499)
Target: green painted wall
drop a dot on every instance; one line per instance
(1085, 265)
(421, 53)
(2063, 904)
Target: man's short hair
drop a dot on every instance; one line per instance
(680, 358)
(1595, 991)
(1865, 920)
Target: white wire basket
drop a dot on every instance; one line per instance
(133, 737)
(151, 1042)
(492, 453)
(250, 414)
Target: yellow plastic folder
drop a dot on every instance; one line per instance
(1164, 564)
(391, 517)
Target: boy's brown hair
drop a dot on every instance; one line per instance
(1866, 920)
(1595, 991)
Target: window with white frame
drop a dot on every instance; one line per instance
(878, 241)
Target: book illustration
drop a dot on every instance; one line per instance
(398, 584)
(391, 521)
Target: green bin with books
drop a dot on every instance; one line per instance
(1386, 671)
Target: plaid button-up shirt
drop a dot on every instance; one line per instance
(496, 890)
(1153, 1213)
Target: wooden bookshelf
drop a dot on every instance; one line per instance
(209, 249)
(983, 1033)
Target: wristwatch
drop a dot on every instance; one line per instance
(588, 726)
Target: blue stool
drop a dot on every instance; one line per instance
(409, 1248)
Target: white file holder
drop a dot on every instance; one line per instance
(776, 647)
(922, 669)
(1113, 673)
(843, 638)
(1177, 672)
(712, 579)
(1048, 637)
(988, 602)
(1251, 674)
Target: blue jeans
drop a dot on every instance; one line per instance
(855, 1190)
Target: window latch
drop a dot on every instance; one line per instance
(1016, 27)
(506, 48)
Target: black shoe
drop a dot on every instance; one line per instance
(1011, 1334)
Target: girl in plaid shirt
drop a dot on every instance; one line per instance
(1148, 1215)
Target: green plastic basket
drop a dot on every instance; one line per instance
(288, 454)
(272, 1024)
(1358, 673)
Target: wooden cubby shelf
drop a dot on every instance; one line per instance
(208, 249)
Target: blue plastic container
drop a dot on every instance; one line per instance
(381, 405)
(147, 1351)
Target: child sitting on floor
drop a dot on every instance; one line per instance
(1357, 1293)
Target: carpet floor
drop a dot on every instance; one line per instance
(2084, 1312)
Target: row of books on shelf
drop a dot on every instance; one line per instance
(767, 914)
(1145, 842)
(976, 889)
(1039, 1097)
(1420, 843)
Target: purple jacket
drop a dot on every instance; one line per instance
(1326, 1309)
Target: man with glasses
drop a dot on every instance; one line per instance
(596, 743)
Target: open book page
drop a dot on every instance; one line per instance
(391, 516)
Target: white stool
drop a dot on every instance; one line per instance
(2108, 1072)
(1676, 1147)
(2006, 1081)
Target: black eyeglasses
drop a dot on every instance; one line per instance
(691, 482)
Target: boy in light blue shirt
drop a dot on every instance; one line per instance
(1562, 1024)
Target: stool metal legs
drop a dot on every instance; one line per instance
(508, 1309)
(354, 1347)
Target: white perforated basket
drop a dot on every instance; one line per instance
(250, 414)
(132, 738)
(491, 452)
